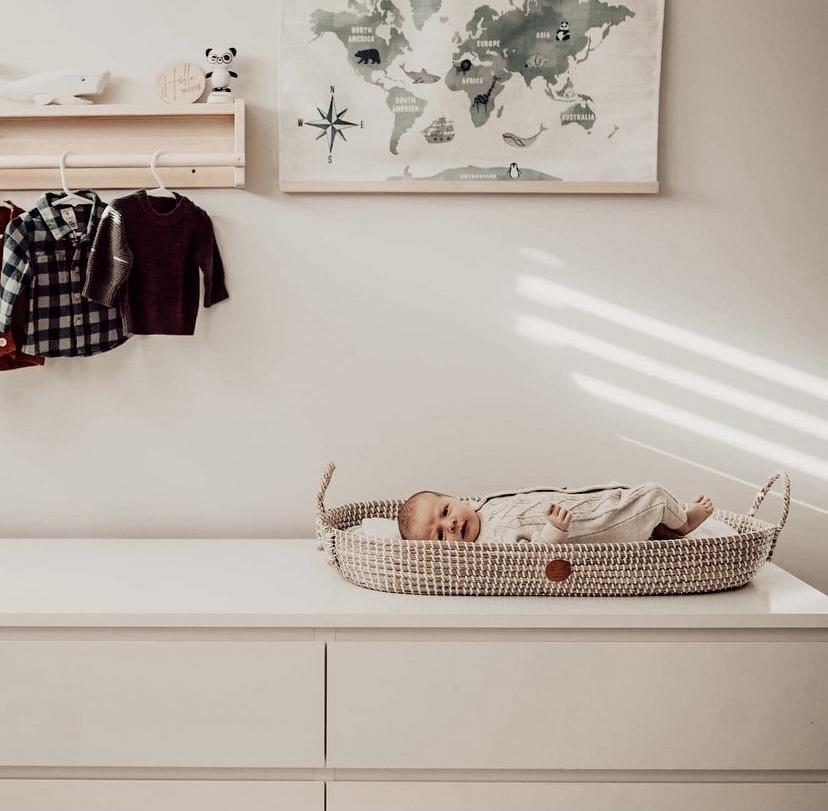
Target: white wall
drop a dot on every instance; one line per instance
(380, 331)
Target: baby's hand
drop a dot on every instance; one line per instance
(559, 516)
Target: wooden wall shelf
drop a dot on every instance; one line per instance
(109, 145)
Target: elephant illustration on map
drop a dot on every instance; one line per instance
(369, 55)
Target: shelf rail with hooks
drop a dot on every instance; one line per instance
(111, 146)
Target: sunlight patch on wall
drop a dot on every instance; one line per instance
(549, 333)
(679, 417)
(544, 291)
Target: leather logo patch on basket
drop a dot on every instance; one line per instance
(558, 570)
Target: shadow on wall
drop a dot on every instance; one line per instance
(537, 290)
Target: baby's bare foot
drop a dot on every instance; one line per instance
(697, 513)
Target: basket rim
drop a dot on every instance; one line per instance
(351, 534)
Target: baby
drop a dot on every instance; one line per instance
(612, 513)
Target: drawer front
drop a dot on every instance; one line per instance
(164, 795)
(167, 703)
(578, 705)
(577, 796)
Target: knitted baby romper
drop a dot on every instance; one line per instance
(612, 513)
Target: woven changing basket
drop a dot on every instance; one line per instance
(681, 566)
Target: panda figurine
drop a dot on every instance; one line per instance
(563, 32)
(220, 76)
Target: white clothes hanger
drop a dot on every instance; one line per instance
(162, 190)
(69, 197)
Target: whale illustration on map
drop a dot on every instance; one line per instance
(521, 143)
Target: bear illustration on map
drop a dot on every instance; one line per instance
(369, 55)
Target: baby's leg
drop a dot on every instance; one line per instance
(673, 513)
(632, 517)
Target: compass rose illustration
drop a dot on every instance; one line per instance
(331, 125)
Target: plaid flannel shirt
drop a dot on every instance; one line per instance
(47, 248)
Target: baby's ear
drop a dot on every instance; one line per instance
(232, 51)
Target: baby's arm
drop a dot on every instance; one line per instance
(559, 516)
(559, 519)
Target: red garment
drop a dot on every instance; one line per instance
(10, 357)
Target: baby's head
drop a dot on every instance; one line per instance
(434, 516)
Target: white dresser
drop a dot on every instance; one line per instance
(247, 675)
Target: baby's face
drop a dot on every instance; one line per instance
(444, 518)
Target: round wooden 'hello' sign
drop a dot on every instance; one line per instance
(181, 83)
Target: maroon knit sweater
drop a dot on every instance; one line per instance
(146, 259)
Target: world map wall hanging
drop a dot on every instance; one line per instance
(470, 95)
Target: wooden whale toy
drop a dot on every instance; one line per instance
(55, 87)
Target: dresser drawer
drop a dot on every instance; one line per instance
(163, 795)
(578, 705)
(493, 796)
(162, 703)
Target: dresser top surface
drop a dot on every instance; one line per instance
(288, 584)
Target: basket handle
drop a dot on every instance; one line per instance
(786, 505)
(327, 475)
(786, 498)
(326, 540)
